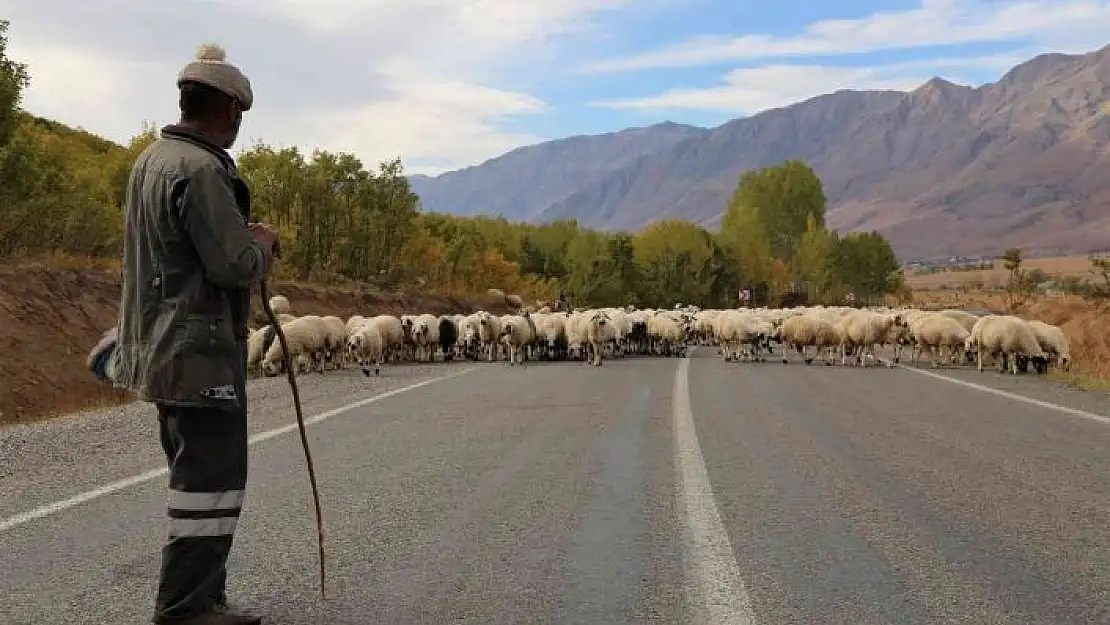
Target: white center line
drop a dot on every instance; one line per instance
(146, 476)
(713, 577)
(1075, 412)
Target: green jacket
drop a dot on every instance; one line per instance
(189, 262)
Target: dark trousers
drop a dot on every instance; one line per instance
(206, 449)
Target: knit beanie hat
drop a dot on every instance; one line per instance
(211, 68)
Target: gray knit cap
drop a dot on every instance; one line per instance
(211, 68)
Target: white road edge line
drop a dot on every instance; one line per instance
(713, 575)
(146, 476)
(1075, 412)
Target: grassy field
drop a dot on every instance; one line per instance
(1061, 266)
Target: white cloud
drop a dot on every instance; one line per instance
(97, 92)
(1060, 25)
(431, 121)
(417, 78)
(750, 90)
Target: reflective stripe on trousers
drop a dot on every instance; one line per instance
(192, 528)
(203, 502)
(204, 514)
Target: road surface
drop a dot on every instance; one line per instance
(648, 491)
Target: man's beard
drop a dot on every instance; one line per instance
(234, 134)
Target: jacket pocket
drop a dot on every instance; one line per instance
(207, 335)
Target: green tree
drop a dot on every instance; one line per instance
(745, 241)
(674, 258)
(867, 265)
(813, 260)
(13, 80)
(784, 197)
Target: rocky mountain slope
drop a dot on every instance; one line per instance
(523, 182)
(944, 169)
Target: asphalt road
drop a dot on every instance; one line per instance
(648, 491)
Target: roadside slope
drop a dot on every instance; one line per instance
(50, 318)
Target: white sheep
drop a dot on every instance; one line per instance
(1054, 343)
(425, 336)
(666, 333)
(1005, 337)
(489, 333)
(599, 331)
(335, 342)
(306, 335)
(257, 343)
(938, 334)
(280, 305)
(516, 333)
(353, 323)
(738, 332)
(862, 330)
(804, 331)
(367, 346)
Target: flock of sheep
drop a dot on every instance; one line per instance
(823, 333)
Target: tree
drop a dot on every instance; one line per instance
(784, 197)
(745, 242)
(1101, 268)
(13, 80)
(813, 263)
(675, 260)
(867, 265)
(1017, 286)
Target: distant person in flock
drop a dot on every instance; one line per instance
(190, 258)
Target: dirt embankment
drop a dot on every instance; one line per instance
(50, 318)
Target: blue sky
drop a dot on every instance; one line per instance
(450, 83)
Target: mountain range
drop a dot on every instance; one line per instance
(945, 169)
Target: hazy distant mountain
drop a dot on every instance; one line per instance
(525, 181)
(941, 170)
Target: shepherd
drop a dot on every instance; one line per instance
(191, 257)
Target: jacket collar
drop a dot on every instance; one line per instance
(181, 133)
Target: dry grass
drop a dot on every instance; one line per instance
(65, 261)
(1084, 323)
(1062, 266)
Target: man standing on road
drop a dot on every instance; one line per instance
(190, 259)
